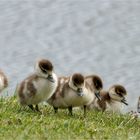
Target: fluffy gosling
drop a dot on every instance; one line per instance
(71, 92)
(112, 99)
(39, 86)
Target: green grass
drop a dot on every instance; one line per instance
(18, 123)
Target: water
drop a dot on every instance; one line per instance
(88, 36)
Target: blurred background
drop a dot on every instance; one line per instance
(88, 36)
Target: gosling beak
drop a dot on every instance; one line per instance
(124, 101)
(80, 92)
(50, 78)
(97, 94)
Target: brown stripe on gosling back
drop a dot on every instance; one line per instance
(32, 90)
(20, 90)
(30, 86)
(45, 64)
(120, 90)
(77, 78)
(60, 86)
(104, 98)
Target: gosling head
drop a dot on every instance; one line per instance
(44, 68)
(77, 83)
(118, 93)
(97, 85)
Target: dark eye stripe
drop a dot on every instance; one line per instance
(43, 70)
(120, 94)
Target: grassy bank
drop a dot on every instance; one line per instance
(21, 123)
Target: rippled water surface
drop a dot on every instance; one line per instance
(89, 36)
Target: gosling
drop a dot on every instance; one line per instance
(71, 92)
(39, 86)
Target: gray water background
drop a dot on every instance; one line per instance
(88, 36)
